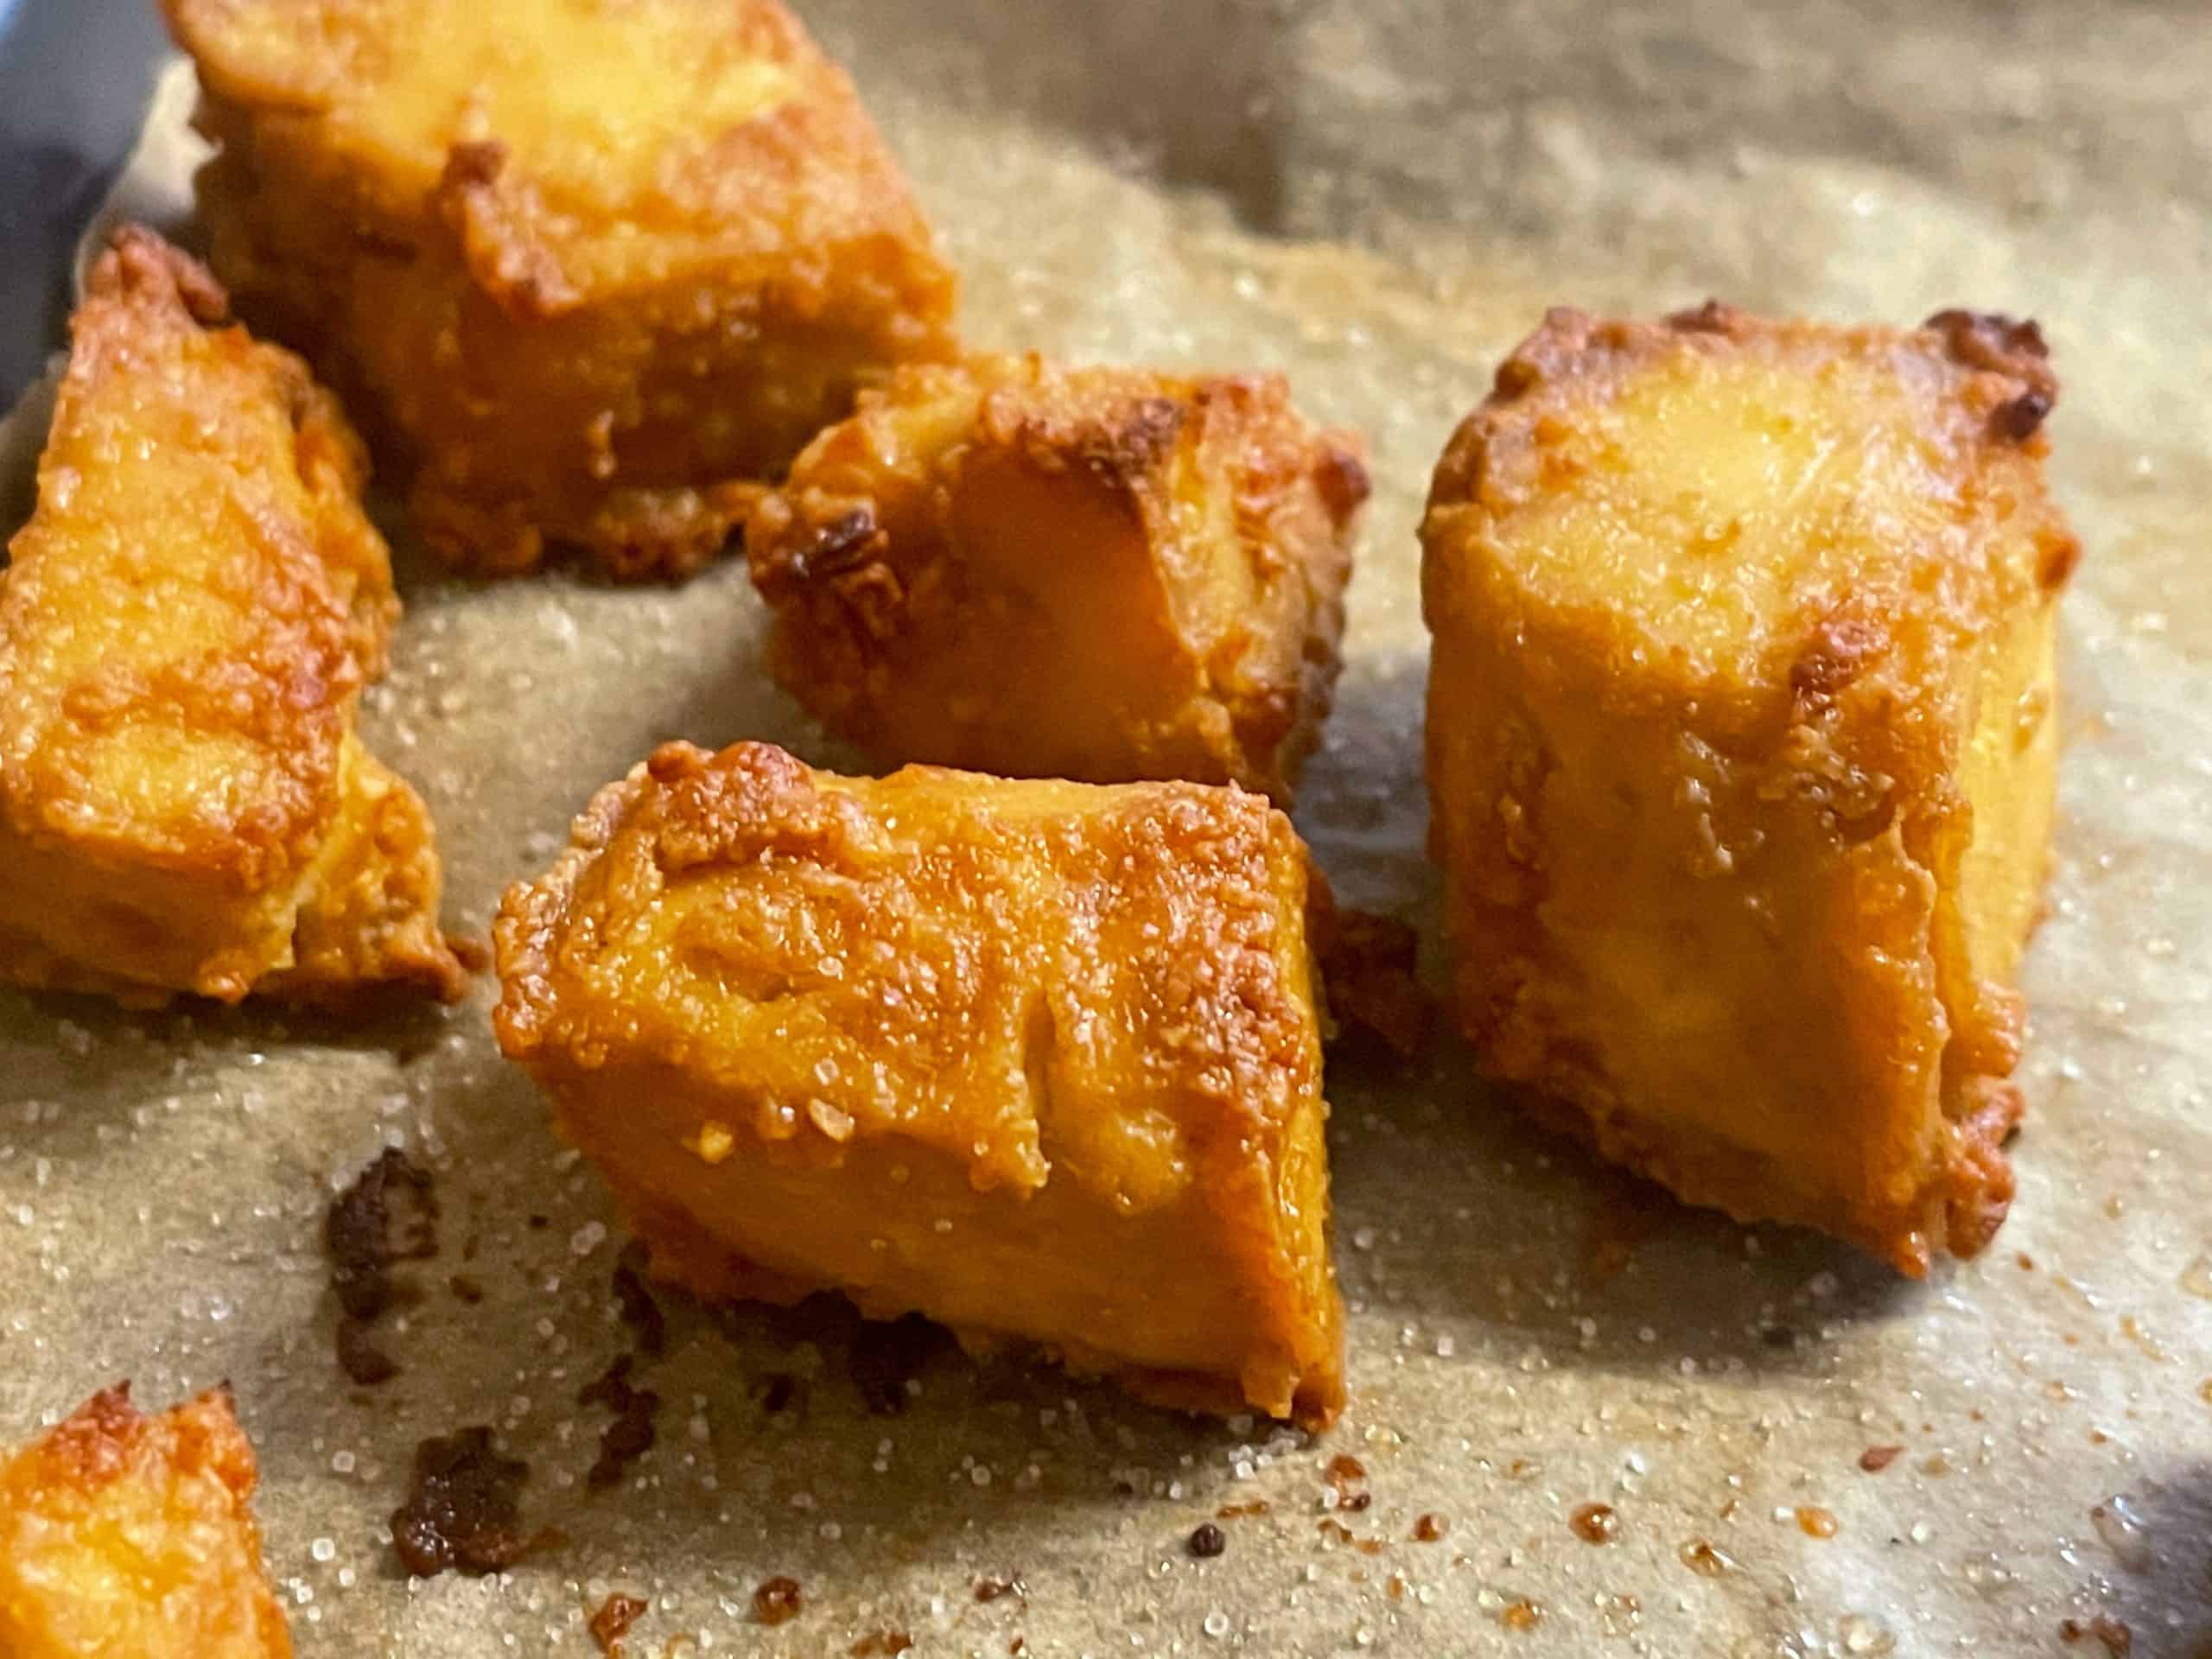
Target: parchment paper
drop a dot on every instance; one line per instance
(1379, 198)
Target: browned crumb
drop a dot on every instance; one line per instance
(359, 1235)
(887, 1354)
(776, 1601)
(1346, 1471)
(1430, 1526)
(1207, 1540)
(612, 1622)
(989, 1590)
(777, 1390)
(1522, 1615)
(639, 1311)
(1816, 1522)
(1233, 1511)
(2118, 1639)
(1367, 963)
(631, 1435)
(891, 1642)
(1875, 1458)
(1595, 1524)
(1344, 1535)
(1701, 1557)
(464, 1511)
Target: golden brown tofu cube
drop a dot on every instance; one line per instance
(130, 1536)
(1038, 1059)
(1741, 748)
(1106, 575)
(185, 625)
(584, 266)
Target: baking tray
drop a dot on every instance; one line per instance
(1378, 199)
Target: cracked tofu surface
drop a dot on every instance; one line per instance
(186, 623)
(1742, 746)
(1100, 574)
(1038, 1059)
(585, 269)
(121, 1534)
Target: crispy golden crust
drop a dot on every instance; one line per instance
(121, 1534)
(585, 268)
(1099, 573)
(185, 625)
(1038, 1059)
(1741, 751)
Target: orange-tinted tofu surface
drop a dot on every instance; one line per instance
(1100, 574)
(185, 624)
(125, 1536)
(1038, 1059)
(1742, 748)
(583, 269)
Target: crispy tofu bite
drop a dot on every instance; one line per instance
(1040, 1060)
(1742, 748)
(126, 1535)
(1106, 575)
(185, 625)
(585, 267)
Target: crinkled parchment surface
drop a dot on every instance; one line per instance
(1380, 198)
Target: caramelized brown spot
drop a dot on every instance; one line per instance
(388, 1214)
(1875, 1458)
(776, 1601)
(359, 1358)
(1341, 477)
(889, 1643)
(2017, 418)
(464, 1509)
(631, 1435)
(1207, 1540)
(1430, 1527)
(1816, 1522)
(1838, 652)
(1711, 318)
(1232, 1511)
(466, 1287)
(1700, 1556)
(359, 1231)
(1522, 1615)
(1595, 1524)
(612, 1622)
(480, 162)
(989, 1590)
(838, 546)
(2058, 555)
(2119, 1640)
(639, 1311)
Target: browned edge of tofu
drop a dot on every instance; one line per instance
(1014, 566)
(183, 802)
(601, 347)
(119, 1528)
(1830, 721)
(754, 795)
